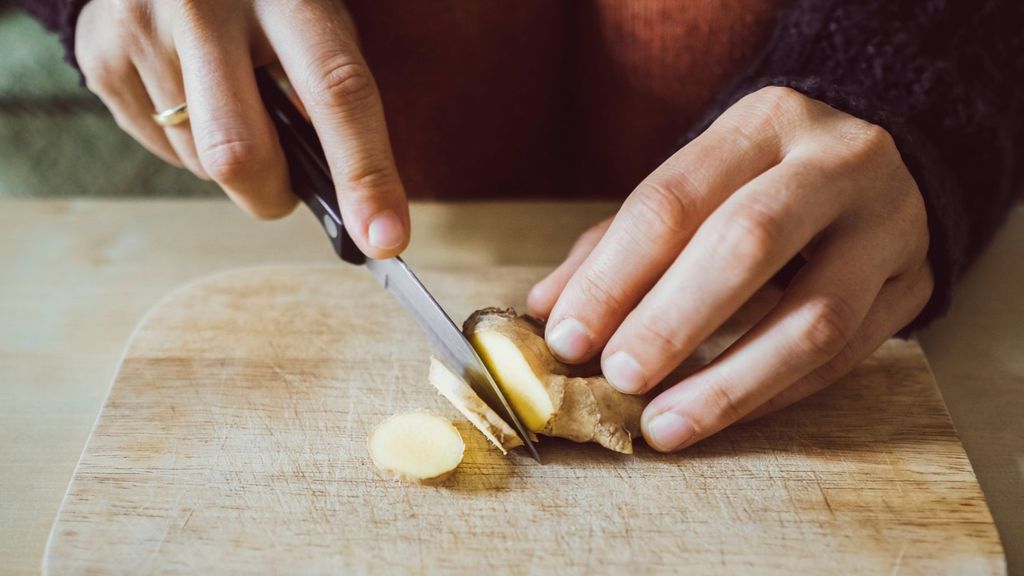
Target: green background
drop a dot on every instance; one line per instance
(57, 139)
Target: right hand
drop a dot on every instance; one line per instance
(141, 56)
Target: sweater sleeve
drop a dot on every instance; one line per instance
(60, 17)
(943, 78)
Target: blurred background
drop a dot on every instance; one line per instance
(57, 139)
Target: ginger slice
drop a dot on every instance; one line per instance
(466, 401)
(416, 447)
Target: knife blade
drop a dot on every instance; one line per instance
(446, 338)
(311, 181)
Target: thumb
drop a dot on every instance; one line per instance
(341, 96)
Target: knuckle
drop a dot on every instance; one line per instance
(668, 340)
(371, 185)
(828, 327)
(863, 140)
(774, 404)
(128, 11)
(596, 287)
(198, 21)
(841, 363)
(340, 81)
(372, 177)
(751, 126)
(101, 76)
(133, 24)
(772, 106)
(725, 407)
(746, 138)
(778, 96)
(748, 236)
(269, 210)
(230, 160)
(663, 207)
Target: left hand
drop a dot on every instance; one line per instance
(776, 175)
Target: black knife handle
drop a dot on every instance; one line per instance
(307, 166)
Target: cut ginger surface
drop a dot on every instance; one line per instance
(416, 447)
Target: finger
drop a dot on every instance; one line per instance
(652, 227)
(543, 295)
(131, 109)
(110, 74)
(334, 83)
(820, 311)
(161, 75)
(899, 302)
(234, 137)
(737, 249)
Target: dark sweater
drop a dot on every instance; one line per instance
(944, 77)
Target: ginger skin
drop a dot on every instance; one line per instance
(466, 401)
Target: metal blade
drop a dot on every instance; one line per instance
(446, 338)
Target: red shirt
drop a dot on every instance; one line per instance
(544, 98)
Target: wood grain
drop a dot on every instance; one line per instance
(233, 440)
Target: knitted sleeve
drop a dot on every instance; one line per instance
(60, 17)
(943, 77)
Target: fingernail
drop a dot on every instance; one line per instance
(624, 373)
(386, 231)
(569, 340)
(668, 431)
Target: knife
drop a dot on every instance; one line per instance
(311, 181)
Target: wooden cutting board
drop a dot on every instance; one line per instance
(234, 440)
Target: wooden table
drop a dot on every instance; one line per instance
(75, 277)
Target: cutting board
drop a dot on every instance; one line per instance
(234, 440)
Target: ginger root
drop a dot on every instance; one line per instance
(416, 447)
(552, 398)
(462, 396)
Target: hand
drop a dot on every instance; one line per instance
(776, 175)
(140, 56)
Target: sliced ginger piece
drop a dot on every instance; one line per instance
(552, 398)
(416, 447)
(466, 401)
(511, 369)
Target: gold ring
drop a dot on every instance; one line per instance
(172, 116)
